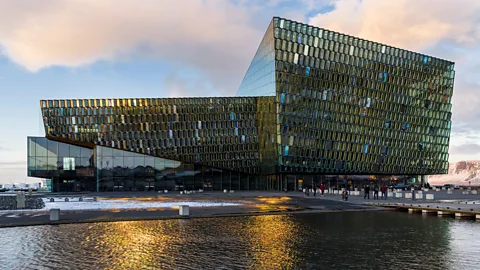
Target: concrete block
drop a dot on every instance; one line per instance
(419, 196)
(465, 192)
(335, 192)
(181, 192)
(20, 200)
(464, 215)
(232, 191)
(225, 191)
(200, 190)
(477, 217)
(184, 210)
(165, 191)
(474, 192)
(449, 192)
(54, 214)
(390, 194)
(400, 195)
(429, 197)
(408, 195)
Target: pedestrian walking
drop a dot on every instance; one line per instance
(375, 192)
(367, 192)
(322, 189)
(384, 189)
(314, 190)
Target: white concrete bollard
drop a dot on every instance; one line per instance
(181, 192)
(184, 210)
(429, 197)
(232, 191)
(408, 195)
(159, 191)
(398, 195)
(54, 214)
(335, 192)
(449, 192)
(474, 192)
(419, 195)
(389, 194)
(165, 191)
(20, 200)
(225, 191)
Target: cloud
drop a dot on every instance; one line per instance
(410, 24)
(465, 149)
(13, 163)
(178, 85)
(214, 36)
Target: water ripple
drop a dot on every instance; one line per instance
(315, 241)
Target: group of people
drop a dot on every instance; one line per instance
(376, 189)
(314, 189)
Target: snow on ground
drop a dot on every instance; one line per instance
(127, 204)
(118, 204)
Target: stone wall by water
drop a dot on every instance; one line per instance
(31, 202)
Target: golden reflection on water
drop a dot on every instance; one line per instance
(132, 245)
(271, 239)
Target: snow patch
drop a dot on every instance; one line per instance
(127, 204)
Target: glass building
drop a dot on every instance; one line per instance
(313, 102)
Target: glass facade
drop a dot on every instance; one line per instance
(74, 168)
(352, 106)
(313, 102)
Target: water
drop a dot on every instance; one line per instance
(359, 240)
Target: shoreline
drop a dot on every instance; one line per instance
(199, 216)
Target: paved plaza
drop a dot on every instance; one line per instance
(217, 204)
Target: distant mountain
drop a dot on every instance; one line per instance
(460, 173)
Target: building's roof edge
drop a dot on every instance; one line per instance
(360, 38)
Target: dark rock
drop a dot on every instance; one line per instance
(31, 202)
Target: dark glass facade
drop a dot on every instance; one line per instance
(313, 102)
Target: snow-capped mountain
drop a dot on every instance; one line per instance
(460, 173)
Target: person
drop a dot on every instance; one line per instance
(314, 190)
(367, 192)
(345, 195)
(322, 189)
(383, 189)
(375, 192)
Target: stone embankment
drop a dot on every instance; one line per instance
(31, 202)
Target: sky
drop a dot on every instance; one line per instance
(63, 49)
